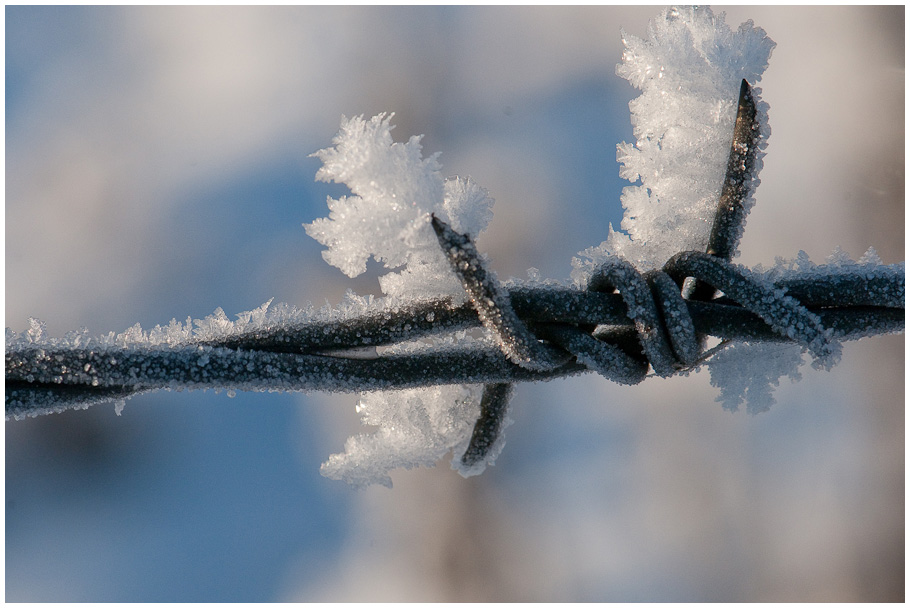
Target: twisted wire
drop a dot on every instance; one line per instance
(590, 327)
(654, 301)
(622, 324)
(654, 304)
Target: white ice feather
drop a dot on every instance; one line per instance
(689, 70)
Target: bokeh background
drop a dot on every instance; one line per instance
(157, 166)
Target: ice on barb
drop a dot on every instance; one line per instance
(417, 427)
(689, 70)
(395, 192)
(395, 189)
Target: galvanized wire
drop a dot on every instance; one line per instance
(620, 325)
(321, 356)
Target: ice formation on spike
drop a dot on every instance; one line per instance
(394, 192)
(417, 427)
(689, 70)
(491, 303)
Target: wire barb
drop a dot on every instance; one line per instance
(492, 305)
(738, 180)
(621, 324)
(488, 429)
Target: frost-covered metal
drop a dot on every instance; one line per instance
(815, 309)
(436, 359)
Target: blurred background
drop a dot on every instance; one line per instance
(157, 166)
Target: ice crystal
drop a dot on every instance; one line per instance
(395, 192)
(395, 189)
(747, 373)
(689, 70)
(417, 427)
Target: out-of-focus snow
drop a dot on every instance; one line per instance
(746, 372)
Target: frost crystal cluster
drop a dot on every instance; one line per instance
(417, 427)
(689, 71)
(395, 192)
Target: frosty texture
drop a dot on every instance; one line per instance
(747, 372)
(417, 427)
(433, 388)
(394, 191)
(689, 70)
(491, 303)
(636, 294)
(487, 438)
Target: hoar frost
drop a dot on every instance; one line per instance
(395, 192)
(417, 427)
(689, 70)
(747, 372)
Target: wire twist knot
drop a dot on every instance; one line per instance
(664, 335)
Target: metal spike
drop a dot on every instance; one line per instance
(492, 304)
(487, 429)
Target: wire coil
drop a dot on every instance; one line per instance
(621, 325)
(667, 339)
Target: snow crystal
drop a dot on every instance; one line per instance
(417, 427)
(689, 70)
(36, 331)
(839, 262)
(394, 191)
(748, 372)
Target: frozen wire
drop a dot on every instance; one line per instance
(46, 376)
(492, 305)
(487, 431)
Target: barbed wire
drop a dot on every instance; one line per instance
(621, 324)
(325, 355)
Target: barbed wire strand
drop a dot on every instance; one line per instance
(540, 332)
(667, 350)
(44, 377)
